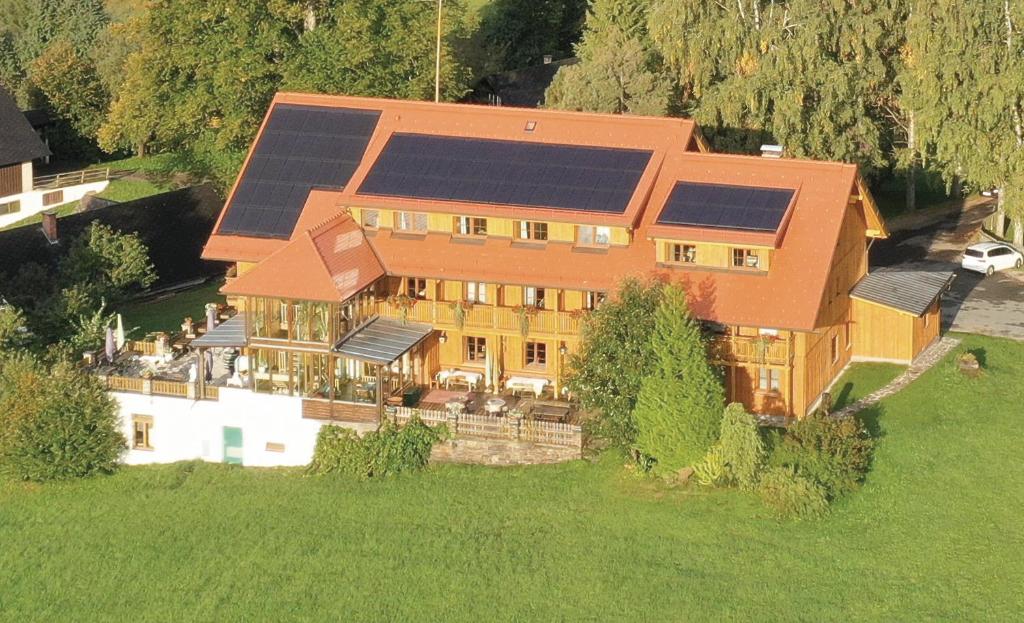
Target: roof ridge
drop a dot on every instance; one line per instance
(792, 162)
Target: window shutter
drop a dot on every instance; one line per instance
(421, 222)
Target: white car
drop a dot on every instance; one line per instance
(988, 257)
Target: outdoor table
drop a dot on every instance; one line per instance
(551, 413)
(494, 406)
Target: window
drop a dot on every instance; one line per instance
(593, 300)
(591, 236)
(10, 207)
(416, 288)
(476, 292)
(846, 334)
(745, 258)
(769, 380)
(371, 219)
(413, 222)
(476, 348)
(532, 230)
(769, 332)
(835, 348)
(683, 253)
(470, 226)
(536, 354)
(533, 296)
(53, 197)
(142, 425)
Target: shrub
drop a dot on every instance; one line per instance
(742, 449)
(55, 422)
(790, 495)
(679, 410)
(710, 470)
(833, 452)
(385, 452)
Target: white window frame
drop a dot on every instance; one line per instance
(411, 222)
(533, 296)
(476, 292)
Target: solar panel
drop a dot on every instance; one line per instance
(518, 173)
(301, 148)
(726, 207)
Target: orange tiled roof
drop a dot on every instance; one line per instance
(786, 297)
(330, 262)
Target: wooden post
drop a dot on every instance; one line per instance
(201, 378)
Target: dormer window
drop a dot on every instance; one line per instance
(683, 253)
(745, 258)
(411, 222)
(470, 226)
(592, 236)
(532, 230)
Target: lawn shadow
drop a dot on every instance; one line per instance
(871, 417)
(843, 398)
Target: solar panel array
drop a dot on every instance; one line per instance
(502, 172)
(301, 148)
(726, 207)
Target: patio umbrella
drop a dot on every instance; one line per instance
(489, 370)
(119, 334)
(209, 365)
(108, 348)
(211, 317)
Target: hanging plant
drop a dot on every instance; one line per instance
(761, 346)
(525, 313)
(403, 303)
(459, 311)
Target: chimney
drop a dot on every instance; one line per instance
(771, 151)
(548, 58)
(50, 226)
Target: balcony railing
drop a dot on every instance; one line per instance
(763, 350)
(442, 314)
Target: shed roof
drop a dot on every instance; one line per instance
(382, 340)
(909, 289)
(231, 332)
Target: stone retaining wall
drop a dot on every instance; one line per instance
(501, 452)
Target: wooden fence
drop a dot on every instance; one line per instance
(73, 178)
(495, 427)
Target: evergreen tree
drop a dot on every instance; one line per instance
(679, 410)
(618, 72)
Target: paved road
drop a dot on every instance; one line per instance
(975, 304)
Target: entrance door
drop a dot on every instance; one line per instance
(233, 445)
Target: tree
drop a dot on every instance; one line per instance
(518, 33)
(55, 422)
(614, 357)
(13, 330)
(618, 72)
(72, 87)
(965, 75)
(679, 409)
(382, 48)
(106, 265)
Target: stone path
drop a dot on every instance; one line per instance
(928, 358)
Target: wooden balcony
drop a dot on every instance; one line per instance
(442, 315)
(761, 350)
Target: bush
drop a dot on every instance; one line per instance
(385, 452)
(710, 470)
(833, 452)
(55, 423)
(742, 449)
(790, 495)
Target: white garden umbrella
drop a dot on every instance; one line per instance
(119, 334)
(108, 346)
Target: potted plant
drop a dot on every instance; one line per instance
(402, 303)
(525, 313)
(762, 344)
(459, 311)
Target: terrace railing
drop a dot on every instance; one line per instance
(495, 427)
(157, 387)
(764, 350)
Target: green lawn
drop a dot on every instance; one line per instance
(861, 379)
(166, 313)
(935, 534)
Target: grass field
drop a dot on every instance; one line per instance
(166, 314)
(935, 534)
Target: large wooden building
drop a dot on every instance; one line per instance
(383, 244)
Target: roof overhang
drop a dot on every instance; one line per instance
(228, 334)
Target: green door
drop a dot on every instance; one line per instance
(233, 445)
